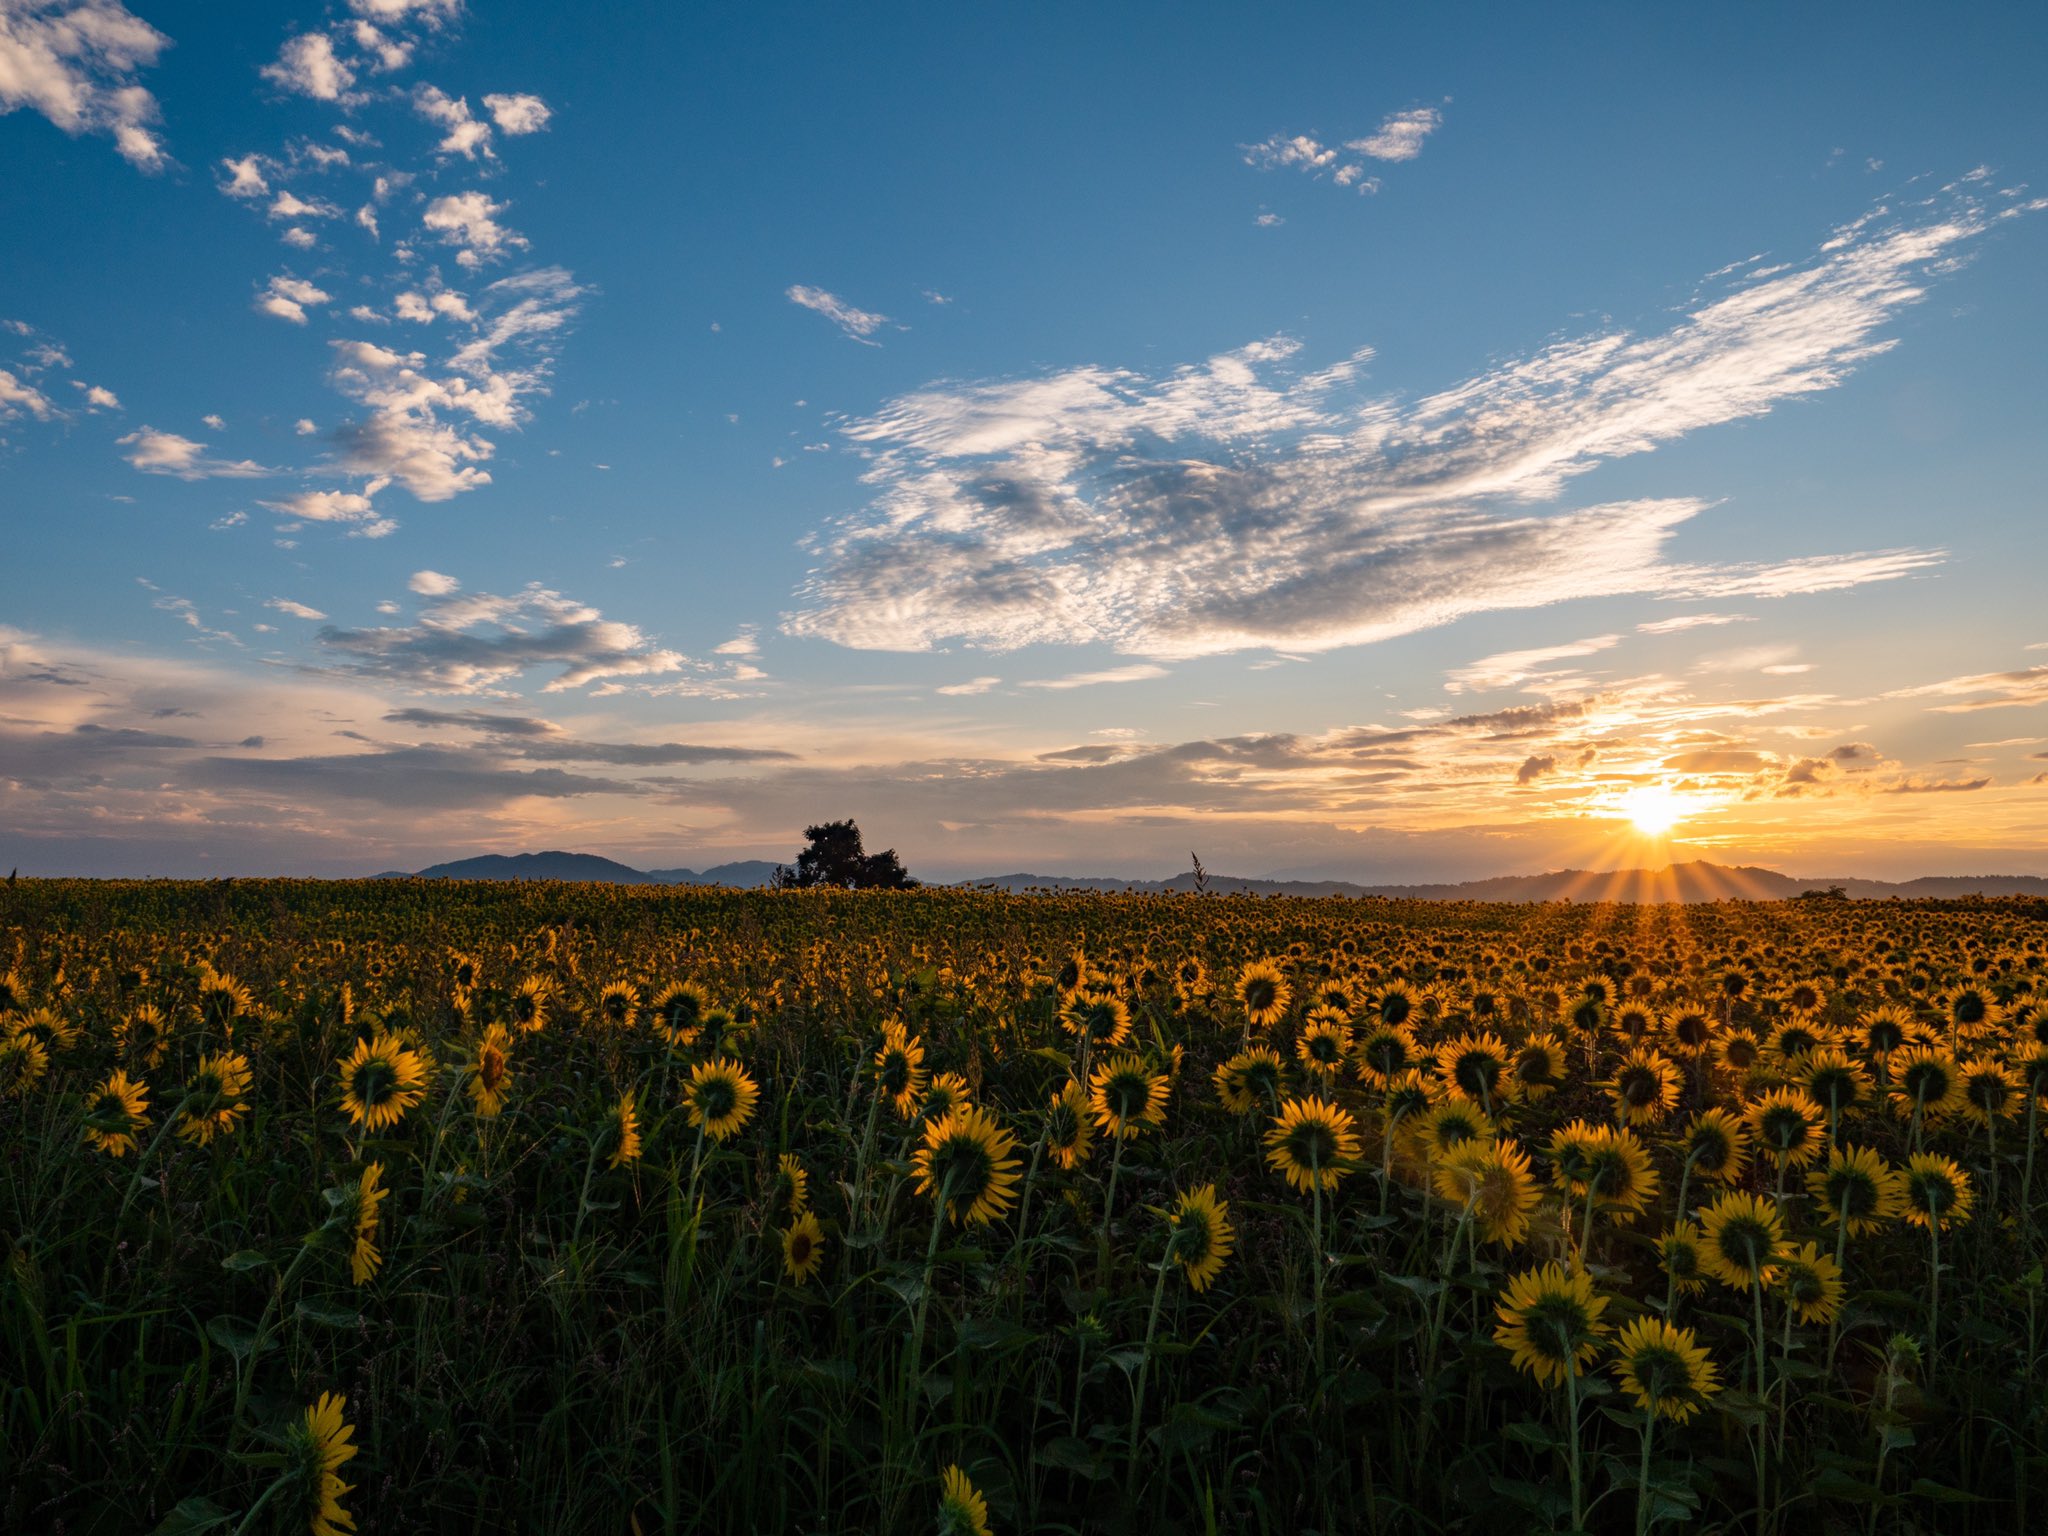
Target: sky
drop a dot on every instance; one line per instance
(1339, 442)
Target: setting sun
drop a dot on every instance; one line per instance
(1654, 808)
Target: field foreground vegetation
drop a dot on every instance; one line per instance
(409, 1206)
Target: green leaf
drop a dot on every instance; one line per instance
(192, 1515)
(1533, 1432)
(236, 1335)
(331, 1316)
(243, 1260)
(1071, 1455)
(1941, 1493)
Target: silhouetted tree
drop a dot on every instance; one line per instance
(833, 855)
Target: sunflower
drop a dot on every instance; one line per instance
(1991, 1090)
(678, 1012)
(216, 1099)
(463, 971)
(1800, 1037)
(1072, 975)
(803, 1247)
(492, 1072)
(381, 1080)
(223, 1001)
(1410, 1094)
(1201, 1236)
(968, 1160)
(792, 1184)
(1250, 1081)
(720, 1096)
(1645, 1087)
(1690, 1030)
(1929, 1082)
(1323, 1044)
(1857, 1188)
(900, 1074)
(14, 993)
(1550, 1322)
(56, 1032)
(1937, 1191)
(1716, 1146)
(1887, 1029)
(1812, 1283)
(1449, 1124)
(1789, 1127)
(1125, 1097)
(1263, 993)
(1664, 1369)
(617, 1002)
(1972, 1009)
(1190, 981)
(1473, 1065)
(318, 1446)
(23, 1061)
(149, 1032)
(1066, 1125)
(528, 1004)
(1833, 1080)
(1100, 1019)
(364, 1259)
(622, 1132)
(115, 1114)
(946, 1093)
(962, 1511)
(1741, 1240)
(1678, 1253)
(1538, 1068)
(1491, 1183)
(1385, 1051)
(1738, 1050)
(1396, 1004)
(1313, 1143)
(1619, 1175)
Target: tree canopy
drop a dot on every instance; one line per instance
(833, 856)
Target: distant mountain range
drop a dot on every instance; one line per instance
(1695, 881)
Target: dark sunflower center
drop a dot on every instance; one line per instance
(716, 1097)
(375, 1081)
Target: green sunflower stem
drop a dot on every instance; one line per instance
(1024, 1213)
(1571, 1390)
(2027, 1171)
(1144, 1370)
(1934, 1290)
(1116, 1158)
(696, 1163)
(1643, 1478)
(1835, 1322)
(1316, 1179)
(915, 1373)
(583, 1200)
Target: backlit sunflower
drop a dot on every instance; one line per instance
(1788, 1127)
(1716, 1144)
(1263, 993)
(1678, 1254)
(1313, 1143)
(803, 1248)
(528, 1004)
(1323, 1044)
(792, 1184)
(364, 1258)
(1886, 1029)
(622, 1132)
(617, 1003)
(1811, 1284)
(1928, 1082)
(1689, 1031)
(1066, 1125)
(1100, 1019)
(1125, 1097)
(1832, 1079)
(1859, 1188)
(1664, 1369)
(678, 1012)
(968, 1160)
(463, 971)
(945, 1093)
(720, 1096)
(1937, 1191)
(962, 1511)
(1250, 1081)
(1385, 1051)
(1201, 1236)
(1991, 1090)
(1396, 1003)
(56, 1030)
(1473, 1066)
(317, 1449)
(1451, 1123)
(1538, 1069)
(1645, 1087)
(1491, 1183)
(380, 1081)
(116, 1113)
(492, 1074)
(1409, 1094)
(223, 1002)
(149, 1034)
(900, 1074)
(14, 993)
(23, 1061)
(1550, 1322)
(216, 1099)
(1741, 1240)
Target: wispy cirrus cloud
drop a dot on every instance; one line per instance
(76, 62)
(1244, 503)
(860, 324)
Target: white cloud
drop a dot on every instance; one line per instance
(347, 507)
(1511, 669)
(860, 324)
(1244, 503)
(17, 395)
(75, 62)
(308, 65)
(518, 113)
(245, 177)
(470, 220)
(305, 426)
(288, 205)
(1140, 673)
(467, 135)
(386, 53)
(287, 298)
(1687, 621)
(432, 583)
(1289, 150)
(214, 422)
(1400, 136)
(166, 453)
(97, 397)
(1269, 221)
(431, 12)
(296, 610)
(478, 643)
(971, 686)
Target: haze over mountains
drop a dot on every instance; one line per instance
(1692, 881)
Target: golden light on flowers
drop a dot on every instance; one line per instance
(364, 1257)
(1474, 1065)
(116, 1113)
(968, 1161)
(380, 1080)
(962, 1511)
(1716, 1145)
(1126, 1097)
(1066, 1125)
(720, 1096)
(803, 1248)
(1664, 1369)
(492, 1073)
(1741, 1240)
(900, 1074)
(1811, 1284)
(1263, 993)
(1678, 1254)
(318, 1448)
(678, 1012)
(217, 1097)
(1645, 1087)
(1200, 1236)
(1489, 1182)
(1938, 1192)
(528, 1004)
(1857, 1188)
(23, 1061)
(1100, 1019)
(1251, 1080)
(1313, 1144)
(622, 1132)
(1384, 1051)
(1928, 1082)
(1788, 1127)
(792, 1183)
(1550, 1322)
(1322, 1045)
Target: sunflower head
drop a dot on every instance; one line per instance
(962, 1511)
(1200, 1236)
(492, 1073)
(1263, 993)
(317, 1447)
(1678, 1253)
(720, 1096)
(1066, 1125)
(1716, 1144)
(1550, 1322)
(116, 1113)
(1491, 1183)
(678, 1012)
(1645, 1087)
(1100, 1018)
(1324, 1043)
(1789, 1128)
(792, 1184)
(969, 1162)
(617, 1004)
(1538, 1069)
(1937, 1191)
(1664, 1369)
(381, 1080)
(803, 1248)
(1811, 1283)
(622, 1132)
(216, 1099)
(1857, 1188)
(900, 1074)
(1126, 1097)
(363, 1202)
(1312, 1143)
(1742, 1240)
(528, 1004)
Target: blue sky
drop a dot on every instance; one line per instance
(1390, 446)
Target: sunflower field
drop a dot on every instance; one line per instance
(410, 1206)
